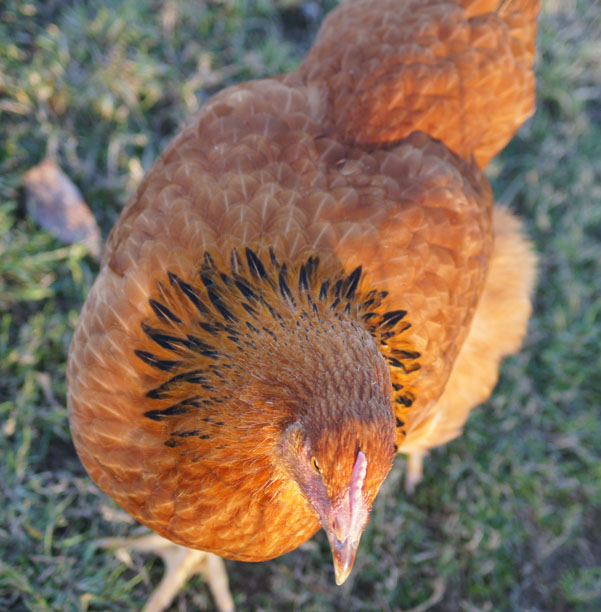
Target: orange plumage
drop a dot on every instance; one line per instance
(309, 279)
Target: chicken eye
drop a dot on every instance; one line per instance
(315, 465)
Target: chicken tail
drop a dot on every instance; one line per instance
(459, 71)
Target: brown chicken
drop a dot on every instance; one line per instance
(310, 279)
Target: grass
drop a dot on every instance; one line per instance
(508, 515)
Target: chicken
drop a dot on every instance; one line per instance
(309, 280)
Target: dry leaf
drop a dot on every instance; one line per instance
(56, 205)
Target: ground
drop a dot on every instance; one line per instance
(508, 516)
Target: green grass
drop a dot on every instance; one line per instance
(508, 516)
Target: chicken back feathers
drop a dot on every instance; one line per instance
(446, 68)
(317, 248)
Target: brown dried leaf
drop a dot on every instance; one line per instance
(56, 204)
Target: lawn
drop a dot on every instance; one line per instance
(508, 516)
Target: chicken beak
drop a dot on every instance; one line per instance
(343, 554)
(347, 522)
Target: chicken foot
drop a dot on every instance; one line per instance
(181, 564)
(415, 470)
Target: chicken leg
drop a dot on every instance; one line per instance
(415, 470)
(181, 564)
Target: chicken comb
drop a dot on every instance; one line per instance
(357, 480)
